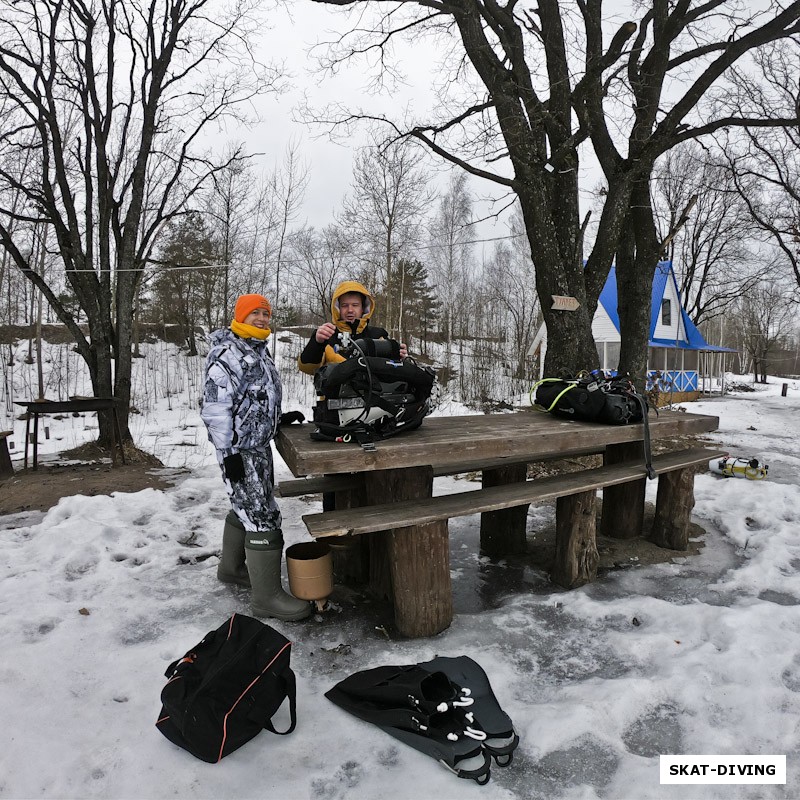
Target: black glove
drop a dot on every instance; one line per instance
(234, 468)
(292, 416)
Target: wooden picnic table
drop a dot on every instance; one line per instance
(410, 564)
(77, 405)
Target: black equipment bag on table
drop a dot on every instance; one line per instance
(227, 688)
(369, 397)
(594, 397)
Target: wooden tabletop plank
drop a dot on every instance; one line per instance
(470, 439)
(419, 512)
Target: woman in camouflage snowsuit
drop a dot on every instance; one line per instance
(242, 409)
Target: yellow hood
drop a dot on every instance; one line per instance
(369, 305)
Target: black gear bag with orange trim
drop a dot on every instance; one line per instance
(227, 688)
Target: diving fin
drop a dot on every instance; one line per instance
(501, 738)
(447, 741)
(422, 708)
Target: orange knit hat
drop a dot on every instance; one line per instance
(248, 303)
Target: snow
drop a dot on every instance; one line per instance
(99, 594)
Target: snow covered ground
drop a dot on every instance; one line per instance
(700, 657)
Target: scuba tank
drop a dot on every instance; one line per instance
(731, 467)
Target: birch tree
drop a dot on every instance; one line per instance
(389, 198)
(451, 254)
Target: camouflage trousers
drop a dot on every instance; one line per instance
(253, 499)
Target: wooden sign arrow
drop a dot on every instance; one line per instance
(564, 303)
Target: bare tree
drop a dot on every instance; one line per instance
(765, 164)
(764, 317)
(513, 294)
(109, 101)
(390, 195)
(451, 252)
(522, 89)
(320, 259)
(710, 253)
(229, 207)
(289, 186)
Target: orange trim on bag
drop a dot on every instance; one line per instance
(230, 626)
(247, 689)
(163, 719)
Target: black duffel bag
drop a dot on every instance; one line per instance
(227, 688)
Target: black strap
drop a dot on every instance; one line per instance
(365, 439)
(648, 455)
(290, 687)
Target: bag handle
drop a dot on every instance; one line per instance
(532, 392)
(290, 687)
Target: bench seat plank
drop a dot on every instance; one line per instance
(387, 516)
(319, 483)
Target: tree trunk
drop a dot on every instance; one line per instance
(637, 258)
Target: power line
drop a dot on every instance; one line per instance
(250, 265)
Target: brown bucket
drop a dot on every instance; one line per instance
(310, 569)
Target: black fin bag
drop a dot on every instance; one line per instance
(569, 399)
(592, 399)
(227, 688)
(596, 398)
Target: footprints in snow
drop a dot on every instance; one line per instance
(341, 784)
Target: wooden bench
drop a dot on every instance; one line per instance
(6, 468)
(575, 493)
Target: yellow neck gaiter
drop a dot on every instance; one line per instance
(249, 331)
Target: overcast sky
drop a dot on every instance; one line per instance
(291, 41)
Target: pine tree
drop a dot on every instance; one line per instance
(185, 289)
(414, 295)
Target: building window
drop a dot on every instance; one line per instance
(612, 355)
(666, 312)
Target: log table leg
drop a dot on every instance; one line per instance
(623, 505)
(417, 557)
(350, 553)
(576, 549)
(504, 532)
(674, 504)
(6, 467)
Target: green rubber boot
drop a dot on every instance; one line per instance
(263, 553)
(231, 567)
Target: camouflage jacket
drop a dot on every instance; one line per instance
(242, 394)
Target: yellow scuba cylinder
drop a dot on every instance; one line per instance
(732, 467)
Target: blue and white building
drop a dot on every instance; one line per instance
(679, 358)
